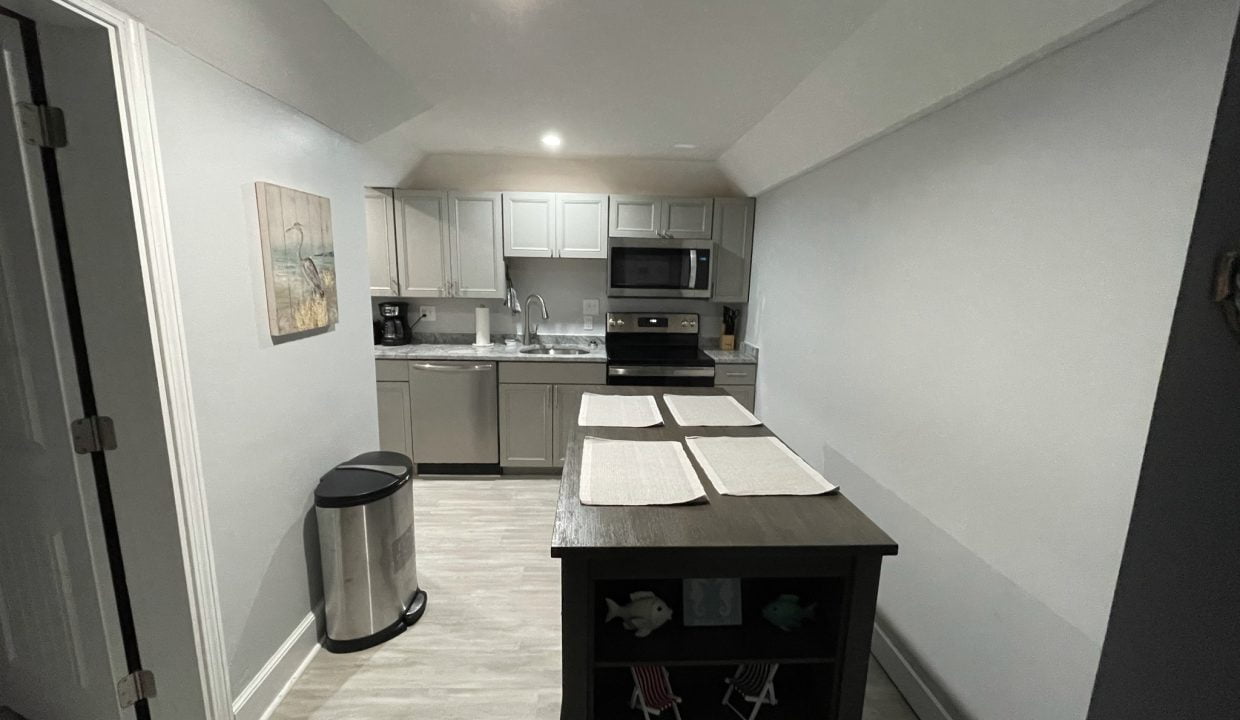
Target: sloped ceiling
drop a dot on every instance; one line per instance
(297, 51)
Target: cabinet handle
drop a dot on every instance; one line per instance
(735, 374)
(452, 368)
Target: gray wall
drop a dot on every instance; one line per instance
(1173, 643)
(271, 418)
(963, 324)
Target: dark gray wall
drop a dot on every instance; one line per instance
(1172, 647)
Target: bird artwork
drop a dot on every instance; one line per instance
(298, 258)
(308, 268)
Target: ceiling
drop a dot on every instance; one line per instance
(613, 77)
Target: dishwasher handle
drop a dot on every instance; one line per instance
(453, 368)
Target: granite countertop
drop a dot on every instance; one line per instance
(500, 352)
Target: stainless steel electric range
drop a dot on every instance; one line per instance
(656, 349)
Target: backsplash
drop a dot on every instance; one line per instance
(564, 284)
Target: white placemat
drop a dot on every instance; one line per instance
(755, 466)
(637, 472)
(709, 411)
(619, 411)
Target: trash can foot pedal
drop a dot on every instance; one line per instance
(417, 606)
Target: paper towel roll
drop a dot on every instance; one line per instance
(482, 326)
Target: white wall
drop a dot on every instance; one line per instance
(271, 418)
(963, 324)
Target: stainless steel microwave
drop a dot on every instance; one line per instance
(659, 268)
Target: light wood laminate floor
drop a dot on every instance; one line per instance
(489, 644)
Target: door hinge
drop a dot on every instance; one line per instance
(91, 434)
(135, 686)
(43, 125)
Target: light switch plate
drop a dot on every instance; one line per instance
(589, 307)
(427, 312)
(588, 323)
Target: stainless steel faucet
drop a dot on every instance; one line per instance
(525, 331)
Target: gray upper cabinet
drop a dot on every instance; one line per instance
(530, 224)
(567, 225)
(733, 236)
(477, 247)
(647, 216)
(581, 225)
(525, 422)
(422, 242)
(635, 216)
(381, 242)
(688, 218)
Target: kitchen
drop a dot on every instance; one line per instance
(691, 252)
(859, 359)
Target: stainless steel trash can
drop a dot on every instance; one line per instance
(370, 577)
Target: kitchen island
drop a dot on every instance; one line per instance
(822, 549)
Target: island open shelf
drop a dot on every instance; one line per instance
(822, 549)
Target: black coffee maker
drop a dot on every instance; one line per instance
(394, 323)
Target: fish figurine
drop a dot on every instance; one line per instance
(786, 613)
(645, 613)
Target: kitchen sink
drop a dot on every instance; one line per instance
(553, 350)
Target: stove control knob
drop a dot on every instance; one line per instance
(620, 323)
(684, 323)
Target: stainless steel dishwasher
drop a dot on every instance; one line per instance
(455, 412)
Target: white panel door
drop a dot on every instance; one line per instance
(688, 218)
(635, 216)
(529, 224)
(477, 259)
(581, 225)
(381, 242)
(61, 651)
(733, 236)
(422, 242)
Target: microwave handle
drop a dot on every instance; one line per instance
(693, 269)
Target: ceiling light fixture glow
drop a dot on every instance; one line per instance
(685, 146)
(552, 140)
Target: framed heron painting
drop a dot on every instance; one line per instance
(298, 257)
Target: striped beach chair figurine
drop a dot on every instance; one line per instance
(652, 691)
(756, 684)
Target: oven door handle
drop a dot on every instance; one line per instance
(655, 371)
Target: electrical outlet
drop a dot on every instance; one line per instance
(427, 312)
(589, 307)
(588, 323)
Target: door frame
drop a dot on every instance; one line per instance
(131, 68)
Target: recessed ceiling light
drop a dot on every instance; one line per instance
(685, 146)
(552, 140)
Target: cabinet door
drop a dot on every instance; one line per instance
(477, 258)
(744, 394)
(635, 216)
(529, 224)
(567, 407)
(688, 218)
(422, 241)
(395, 417)
(733, 236)
(525, 425)
(381, 242)
(581, 225)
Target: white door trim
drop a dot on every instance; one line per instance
(132, 69)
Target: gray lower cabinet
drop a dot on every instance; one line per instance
(538, 405)
(526, 413)
(395, 417)
(744, 394)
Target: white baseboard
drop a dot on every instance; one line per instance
(261, 695)
(916, 692)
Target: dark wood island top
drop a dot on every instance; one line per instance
(724, 521)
